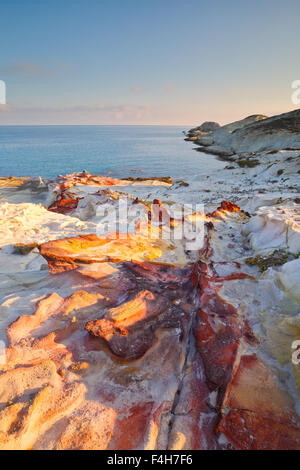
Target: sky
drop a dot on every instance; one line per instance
(158, 62)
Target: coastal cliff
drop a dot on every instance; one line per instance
(252, 135)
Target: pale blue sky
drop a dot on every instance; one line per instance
(147, 61)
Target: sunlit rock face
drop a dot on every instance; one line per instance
(100, 386)
(120, 340)
(67, 254)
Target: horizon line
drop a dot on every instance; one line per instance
(95, 125)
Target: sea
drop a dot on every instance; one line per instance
(118, 151)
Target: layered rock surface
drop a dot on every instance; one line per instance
(116, 340)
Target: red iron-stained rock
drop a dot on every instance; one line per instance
(119, 350)
(256, 412)
(132, 427)
(64, 204)
(218, 328)
(65, 201)
(61, 357)
(227, 206)
(160, 214)
(194, 418)
(218, 341)
(129, 329)
(164, 273)
(67, 181)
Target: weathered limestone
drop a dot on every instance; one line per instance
(123, 341)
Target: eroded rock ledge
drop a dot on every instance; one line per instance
(131, 342)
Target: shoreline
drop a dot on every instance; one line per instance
(140, 342)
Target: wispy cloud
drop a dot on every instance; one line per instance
(78, 113)
(136, 89)
(170, 86)
(80, 108)
(25, 68)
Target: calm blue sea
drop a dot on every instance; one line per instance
(115, 150)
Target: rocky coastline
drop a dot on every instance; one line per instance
(115, 340)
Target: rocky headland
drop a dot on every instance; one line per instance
(252, 135)
(115, 340)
